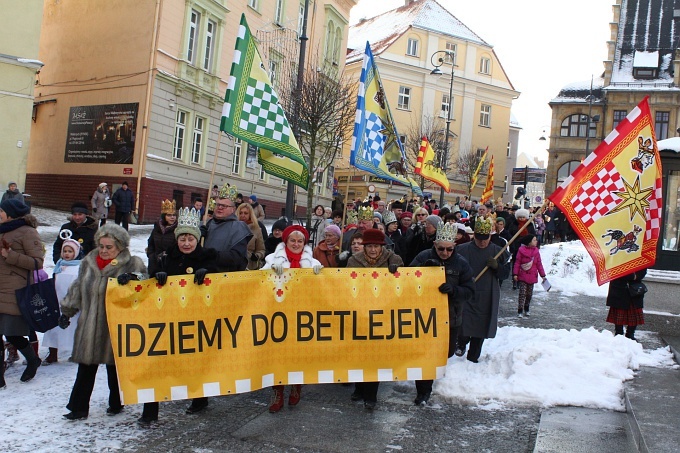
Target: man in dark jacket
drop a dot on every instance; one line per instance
(82, 228)
(459, 287)
(124, 200)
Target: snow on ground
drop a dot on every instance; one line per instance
(522, 366)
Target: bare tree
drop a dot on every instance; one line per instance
(325, 119)
(466, 164)
(434, 128)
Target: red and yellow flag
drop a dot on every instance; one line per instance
(475, 176)
(427, 166)
(613, 199)
(488, 190)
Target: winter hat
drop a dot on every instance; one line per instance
(378, 215)
(527, 239)
(500, 220)
(14, 208)
(280, 224)
(10, 183)
(188, 222)
(433, 220)
(522, 213)
(79, 208)
(102, 185)
(253, 197)
(287, 232)
(397, 205)
(373, 236)
(406, 214)
(116, 232)
(333, 229)
(75, 245)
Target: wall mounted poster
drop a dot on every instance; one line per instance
(103, 134)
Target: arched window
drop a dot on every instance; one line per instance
(336, 45)
(566, 170)
(576, 126)
(330, 40)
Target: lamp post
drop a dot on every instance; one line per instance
(591, 119)
(440, 58)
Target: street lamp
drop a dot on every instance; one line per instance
(440, 57)
(591, 119)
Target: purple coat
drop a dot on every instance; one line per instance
(525, 255)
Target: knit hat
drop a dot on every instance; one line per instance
(75, 245)
(406, 214)
(333, 229)
(102, 184)
(115, 232)
(373, 236)
(522, 213)
(500, 220)
(378, 215)
(397, 205)
(527, 239)
(79, 208)
(14, 208)
(10, 183)
(280, 224)
(433, 220)
(287, 232)
(188, 222)
(253, 197)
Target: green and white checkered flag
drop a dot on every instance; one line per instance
(252, 113)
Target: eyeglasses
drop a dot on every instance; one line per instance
(421, 215)
(225, 206)
(447, 249)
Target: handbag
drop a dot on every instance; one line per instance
(38, 303)
(637, 289)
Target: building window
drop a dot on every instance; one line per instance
(505, 184)
(452, 53)
(197, 141)
(193, 35)
(273, 70)
(236, 163)
(180, 129)
(508, 150)
(485, 116)
(209, 44)
(263, 175)
(412, 47)
(278, 12)
(619, 116)
(445, 106)
(301, 19)
(480, 152)
(577, 125)
(485, 65)
(566, 170)
(404, 100)
(330, 40)
(661, 125)
(255, 4)
(402, 138)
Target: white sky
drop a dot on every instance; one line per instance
(542, 45)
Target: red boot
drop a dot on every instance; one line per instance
(294, 396)
(277, 402)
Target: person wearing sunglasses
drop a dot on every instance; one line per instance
(459, 287)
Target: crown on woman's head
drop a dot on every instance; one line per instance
(228, 191)
(389, 217)
(168, 207)
(188, 218)
(446, 232)
(351, 217)
(365, 213)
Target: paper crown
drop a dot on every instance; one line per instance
(365, 213)
(389, 217)
(188, 222)
(446, 232)
(484, 225)
(211, 205)
(351, 217)
(168, 207)
(228, 191)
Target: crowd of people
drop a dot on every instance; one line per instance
(478, 246)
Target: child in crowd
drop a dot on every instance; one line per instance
(65, 273)
(528, 266)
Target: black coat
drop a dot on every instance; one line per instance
(270, 244)
(83, 233)
(618, 295)
(159, 241)
(177, 263)
(124, 200)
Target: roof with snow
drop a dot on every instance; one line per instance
(579, 91)
(383, 30)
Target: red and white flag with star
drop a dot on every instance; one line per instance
(613, 199)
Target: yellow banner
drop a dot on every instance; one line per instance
(244, 331)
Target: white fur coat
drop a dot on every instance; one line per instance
(279, 257)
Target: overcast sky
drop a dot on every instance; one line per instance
(543, 45)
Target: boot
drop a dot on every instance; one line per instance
(32, 363)
(630, 333)
(2, 370)
(294, 396)
(36, 347)
(12, 354)
(618, 329)
(277, 401)
(52, 357)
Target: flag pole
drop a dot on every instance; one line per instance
(512, 239)
(344, 209)
(212, 177)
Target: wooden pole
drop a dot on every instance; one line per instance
(344, 209)
(212, 177)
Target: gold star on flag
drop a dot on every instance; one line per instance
(635, 199)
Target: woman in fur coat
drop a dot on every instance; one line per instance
(92, 342)
(528, 266)
(292, 253)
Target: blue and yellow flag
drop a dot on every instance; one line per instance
(252, 112)
(376, 146)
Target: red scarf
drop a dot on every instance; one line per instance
(521, 224)
(102, 263)
(294, 259)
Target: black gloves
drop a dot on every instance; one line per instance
(162, 277)
(432, 263)
(492, 263)
(64, 322)
(124, 279)
(392, 268)
(94, 209)
(447, 288)
(253, 257)
(199, 276)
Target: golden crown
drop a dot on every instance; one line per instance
(351, 217)
(228, 191)
(446, 232)
(484, 225)
(389, 217)
(168, 207)
(365, 213)
(211, 205)
(188, 218)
